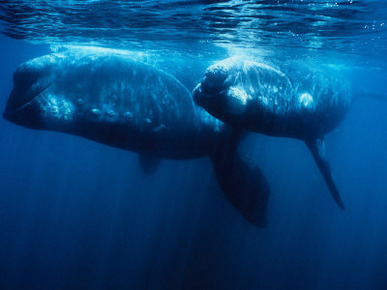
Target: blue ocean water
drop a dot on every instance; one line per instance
(75, 214)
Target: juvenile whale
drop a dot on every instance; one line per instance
(110, 98)
(304, 103)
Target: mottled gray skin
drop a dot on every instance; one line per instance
(112, 99)
(299, 102)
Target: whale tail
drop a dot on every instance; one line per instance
(242, 182)
(316, 148)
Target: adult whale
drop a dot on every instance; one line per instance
(110, 98)
(303, 103)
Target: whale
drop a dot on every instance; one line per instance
(109, 97)
(298, 101)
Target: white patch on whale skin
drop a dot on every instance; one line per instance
(109, 114)
(306, 101)
(237, 100)
(264, 100)
(95, 112)
(105, 114)
(57, 108)
(128, 116)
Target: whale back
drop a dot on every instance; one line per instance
(322, 98)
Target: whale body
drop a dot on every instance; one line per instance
(298, 102)
(112, 99)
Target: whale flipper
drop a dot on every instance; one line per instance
(316, 149)
(148, 162)
(243, 183)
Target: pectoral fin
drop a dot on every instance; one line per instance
(244, 186)
(316, 147)
(148, 162)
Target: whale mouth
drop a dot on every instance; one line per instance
(17, 102)
(28, 85)
(30, 80)
(22, 107)
(23, 110)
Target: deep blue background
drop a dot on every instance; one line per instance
(75, 214)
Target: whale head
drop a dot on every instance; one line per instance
(232, 87)
(62, 90)
(244, 93)
(219, 93)
(31, 81)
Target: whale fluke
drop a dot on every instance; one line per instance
(315, 148)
